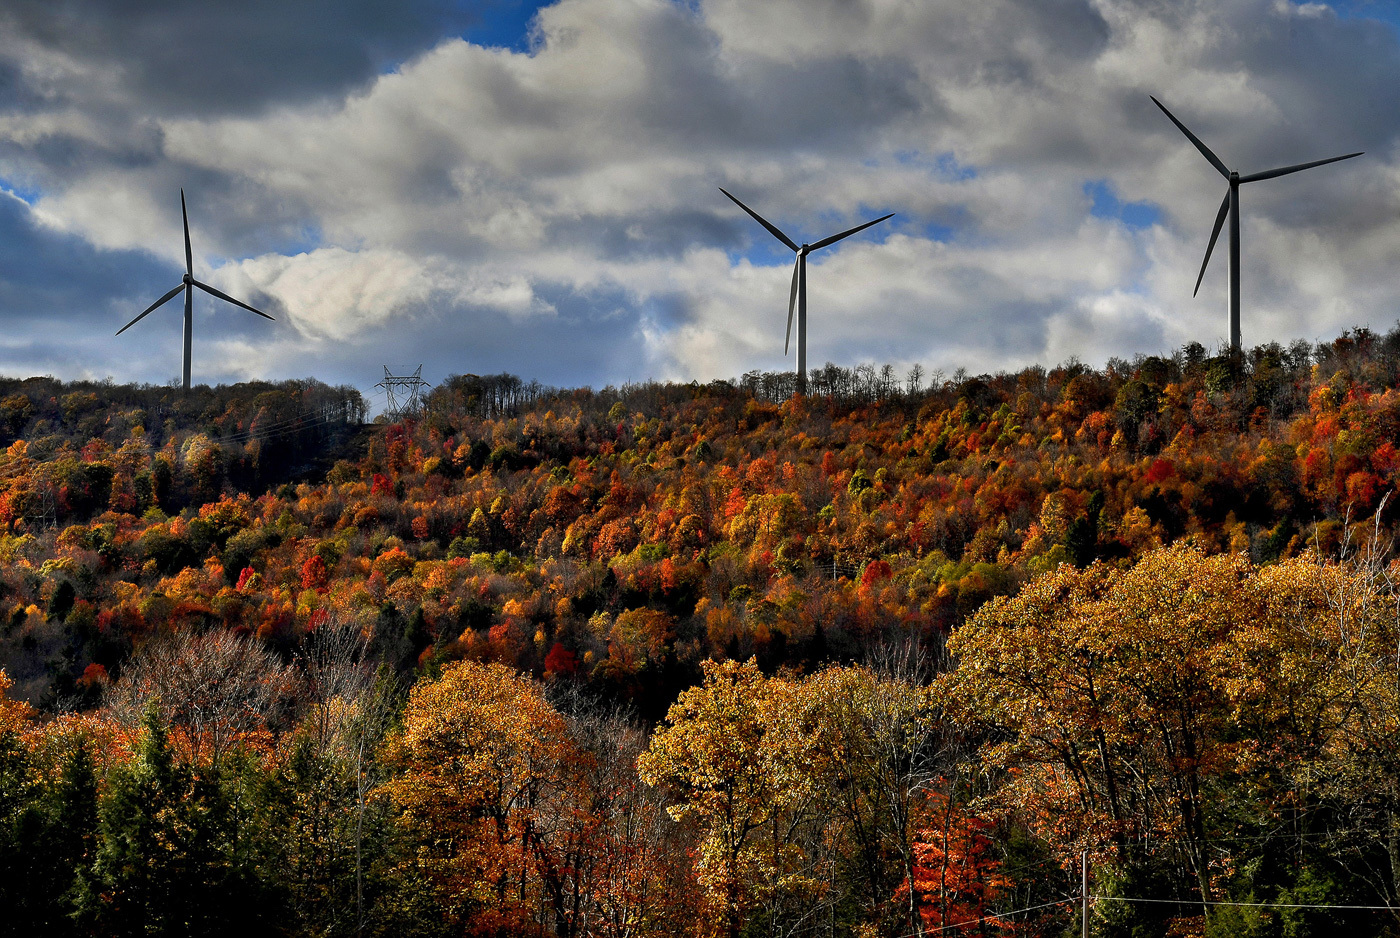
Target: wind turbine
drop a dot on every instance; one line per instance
(798, 298)
(188, 284)
(1231, 207)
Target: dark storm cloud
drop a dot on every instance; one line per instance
(237, 211)
(50, 280)
(194, 58)
(1331, 83)
(15, 93)
(832, 104)
(664, 234)
(594, 334)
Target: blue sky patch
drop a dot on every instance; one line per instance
(943, 165)
(19, 191)
(503, 24)
(1106, 204)
(307, 239)
(936, 232)
(949, 166)
(1384, 11)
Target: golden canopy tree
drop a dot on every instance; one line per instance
(807, 792)
(475, 759)
(1121, 693)
(739, 754)
(882, 749)
(1345, 668)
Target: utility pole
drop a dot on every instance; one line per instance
(1084, 888)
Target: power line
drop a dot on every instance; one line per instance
(265, 430)
(1156, 843)
(1181, 902)
(1189, 902)
(985, 918)
(286, 425)
(1252, 905)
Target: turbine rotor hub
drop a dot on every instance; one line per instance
(187, 278)
(806, 249)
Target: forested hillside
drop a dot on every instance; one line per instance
(680, 659)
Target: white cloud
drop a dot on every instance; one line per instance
(571, 191)
(333, 293)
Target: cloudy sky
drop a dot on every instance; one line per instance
(512, 186)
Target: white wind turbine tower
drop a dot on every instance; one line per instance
(1230, 208)
(798, 297)
(188, 285)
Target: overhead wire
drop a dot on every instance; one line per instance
(1252, 905)
(278, 428)
(1182, 902)
(244, 436)
(1214, 903)
(1253, 838)
(985, 918)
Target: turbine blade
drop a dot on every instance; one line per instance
(1205, 150)
(224, 296)
(792, 303)
(189, 255)
(152, 308)
(1284, 171)
(846, 234)
(772, 229)
(1214, 234)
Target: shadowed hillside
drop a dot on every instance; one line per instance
(1035, 614)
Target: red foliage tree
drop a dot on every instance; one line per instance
(314, 575)
(957, 874)
(560, 660)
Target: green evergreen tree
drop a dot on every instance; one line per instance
(20, 826)
(178, 852)
(46, 837)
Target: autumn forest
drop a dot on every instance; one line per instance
(907, 655)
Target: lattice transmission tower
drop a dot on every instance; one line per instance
(405, 393)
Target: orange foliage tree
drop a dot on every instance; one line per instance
(957, 870)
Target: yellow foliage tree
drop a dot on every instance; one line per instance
(14, 714)
(1110, 687)
(1123, 696)
(738, 753)
(478, 753)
